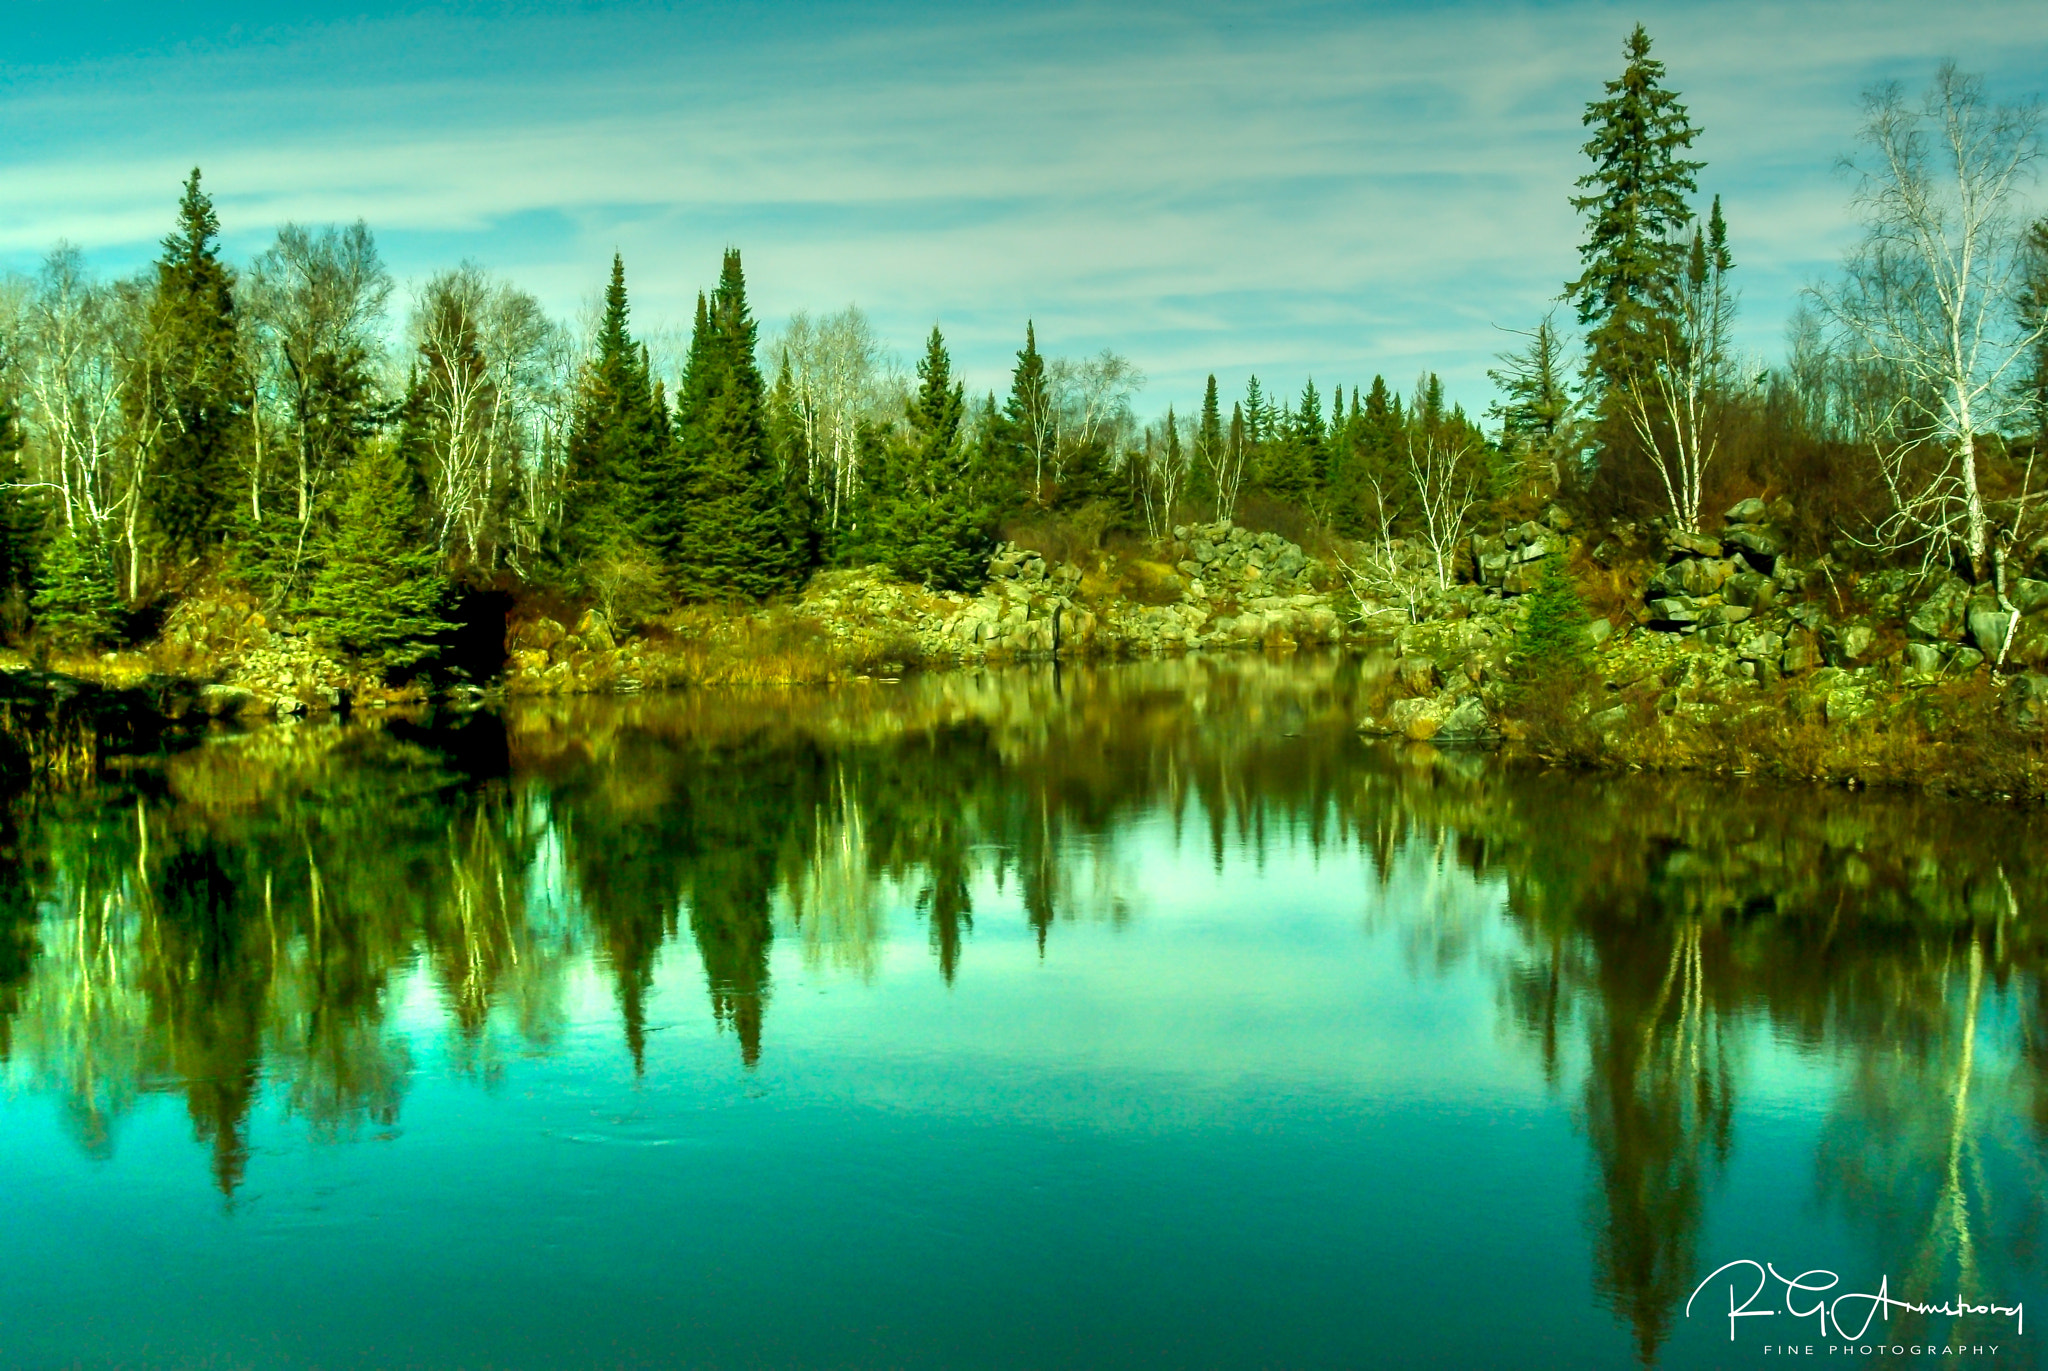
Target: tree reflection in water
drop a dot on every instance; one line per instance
(242, 917)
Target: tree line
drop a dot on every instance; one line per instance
(266, 423)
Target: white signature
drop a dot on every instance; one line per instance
(1829, 1311)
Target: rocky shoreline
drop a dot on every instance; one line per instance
(1725, 653)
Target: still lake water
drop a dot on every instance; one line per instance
(1132, 1017)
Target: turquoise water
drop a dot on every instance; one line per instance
(1134, 1017)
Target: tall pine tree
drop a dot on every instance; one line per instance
(739, 535)
(1028, 430)
(619, 482)
(1635, 207)
(197, 399)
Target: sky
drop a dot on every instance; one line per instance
(1292, 190)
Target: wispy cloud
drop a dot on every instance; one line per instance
(1334, 190)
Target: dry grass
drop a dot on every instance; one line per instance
(1962, 738)
(779, 645)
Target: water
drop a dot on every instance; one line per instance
(1135, 1017)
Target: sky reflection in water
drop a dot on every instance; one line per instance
(1141, 1016)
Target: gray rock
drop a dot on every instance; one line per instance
(1855, 641)
(1761, 645)
(1705, 575)
(1691, 545)
(1755, 544)
(1939, 619)
(1675, 609)
(1599, 631)
(2028, 597)
(1965, 661)
(1924, 658)
(1988, 626)
(1751, 589)
(1467, 723)
(1750, 511)
(1802, 653)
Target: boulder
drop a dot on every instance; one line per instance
(1681, 544)
(1466, 723)
(1750, 511)
(1760, 645)
(1705, 575)
(1757, 545)
(1802, 652)
(1924, 658)
(1675, 609)
(1939, 618)
(2027, 596)
(1849, 644)
(1988, 625)
(1750, 588)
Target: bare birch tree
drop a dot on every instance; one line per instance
(314, 302)
(1090, 407)
(1446, 480)
(484, 353)
(1670, 403)
(1928, 298)
(1162, 458)
(841, 380)
(70, 335)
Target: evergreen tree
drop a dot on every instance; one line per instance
(1552, 637)
(921, 517)
(76, 604)
(1208, 436)
(197, 399)
(1312, 437)
(1635, 208)
(619, 481)
(735, 536)
(380, 589)
(1028, 427)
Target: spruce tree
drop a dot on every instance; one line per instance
(75, 604)
(1027, 423)
(198, 399)
(1635, 207)
(924, 521)
(736, 530)
(619, 482)
(380, 591)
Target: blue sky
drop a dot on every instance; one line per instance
(1326, 190)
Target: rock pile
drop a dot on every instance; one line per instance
(257, 668)
(1736, 592)
(544, 658)
(1510, 561)
(1234, 588)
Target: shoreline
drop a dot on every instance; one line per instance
(1715, 668)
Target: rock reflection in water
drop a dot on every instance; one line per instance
(243, 918)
